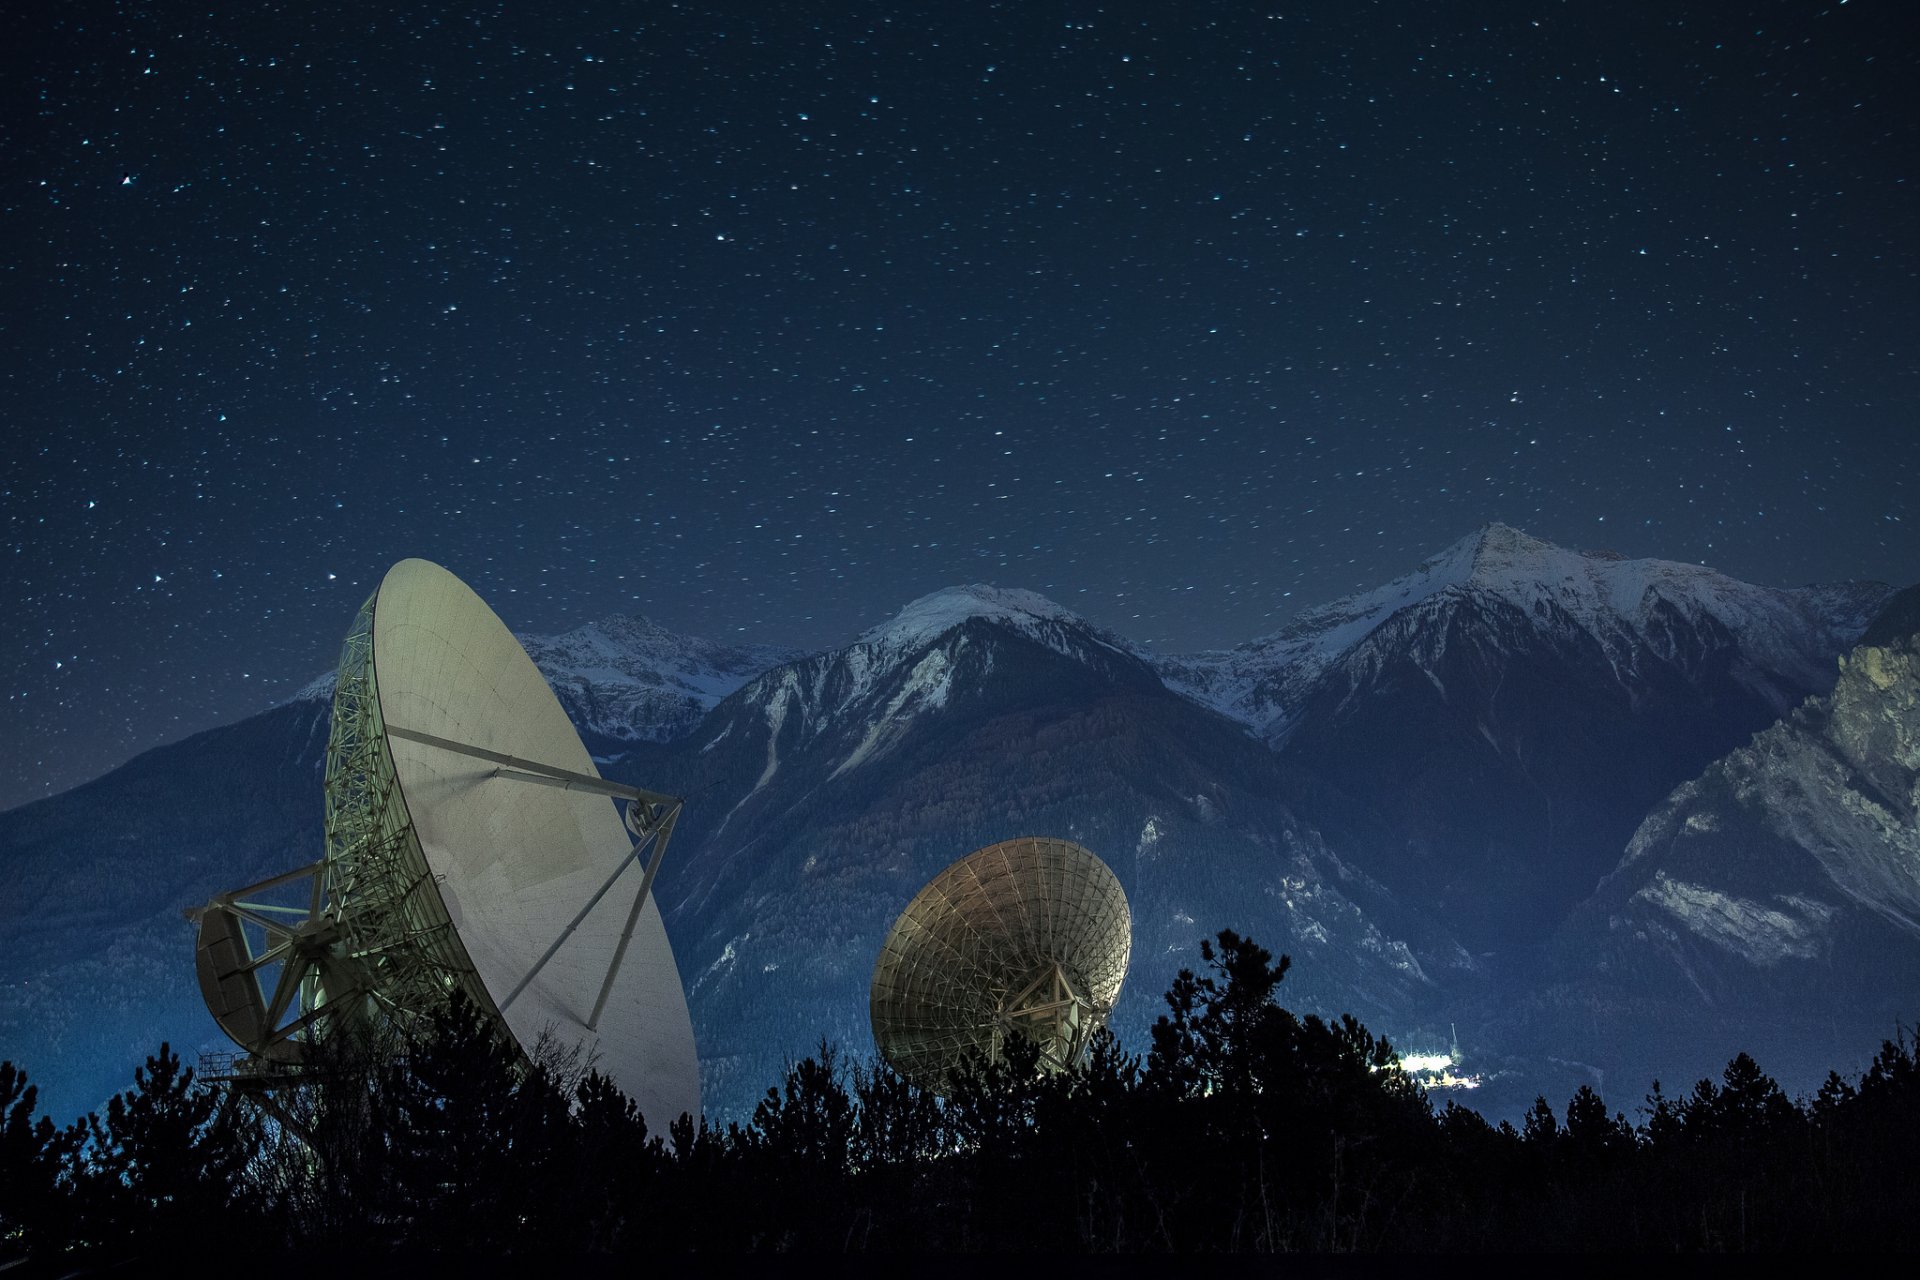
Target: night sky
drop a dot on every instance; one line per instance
(1185, 315)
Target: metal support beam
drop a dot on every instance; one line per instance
(533, 770)
(646, 882)
(661, 835)
(232, 896)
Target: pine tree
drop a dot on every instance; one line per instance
(618, 1163)
(36, 1172)
(166, 1159)
(481, 1139)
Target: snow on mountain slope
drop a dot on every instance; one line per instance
(628, 679)
(931, 616)
(855, 703)
(922, 622)
(1629, 608)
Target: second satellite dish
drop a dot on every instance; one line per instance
(1028, 936)
(471, 846)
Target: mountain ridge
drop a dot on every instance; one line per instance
(1608, 596)
(1471, 745)
(625, 679)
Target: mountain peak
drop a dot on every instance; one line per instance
(1512, 563)
(1496, 539)
(1625, 607)
(1499, 533)
(933, 615)
(1493, 550)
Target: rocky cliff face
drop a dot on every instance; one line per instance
(1774, 900)
(1783, 846)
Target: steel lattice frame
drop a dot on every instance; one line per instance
(377, 882)
(1030, 936)
(374, 946)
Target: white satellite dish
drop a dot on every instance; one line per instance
(470, 846)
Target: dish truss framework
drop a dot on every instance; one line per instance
(451, 865)
(1029, 935)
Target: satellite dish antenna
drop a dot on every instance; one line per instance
(470, 847)
(1028, 936)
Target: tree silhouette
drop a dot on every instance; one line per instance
(1209, 1040)
(166, 1159)
(619, 1165)
(1247, 1128)
(36, 1171)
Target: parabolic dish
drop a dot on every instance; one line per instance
(515, 861)
(1029, 935)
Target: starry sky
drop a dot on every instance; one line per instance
(765, 319)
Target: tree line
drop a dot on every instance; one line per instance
(1243, 1127)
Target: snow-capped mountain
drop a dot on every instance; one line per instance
(1026, 613)
(1456, 758)
(1631, 613)
(626, 679)
(1512, 709)
(850, 707)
